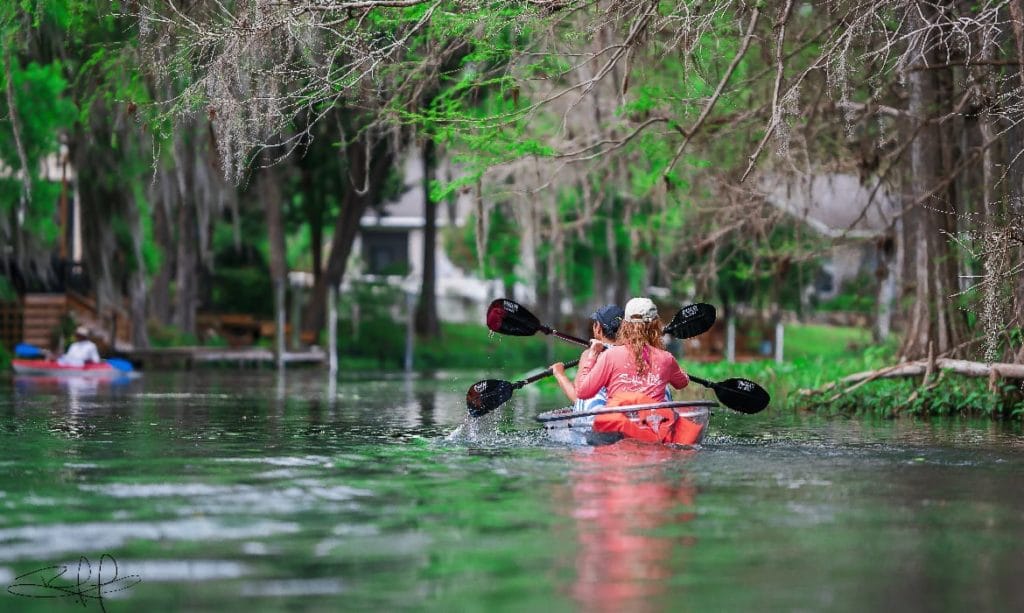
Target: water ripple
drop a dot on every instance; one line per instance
(44, 541)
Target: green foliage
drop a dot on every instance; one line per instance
(948, 396)
(856, 295)
(243, 289)
(42, 113)
(503, 245)
(169, 336)
(379, 333)
(7, 291)
(5, 359)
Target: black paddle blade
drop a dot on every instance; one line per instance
(742, 395)
(692, 320)
(509, 317)
(487, 395)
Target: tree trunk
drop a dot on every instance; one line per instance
(187, 269)
(269, 192)
(427, 325)
(1015, 170)
(932, 318)
(137, 286)
(160, 292)
(346, 227)
(313, 207)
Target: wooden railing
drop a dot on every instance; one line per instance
(112, 321)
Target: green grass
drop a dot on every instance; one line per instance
(808, 341)
(472, 346)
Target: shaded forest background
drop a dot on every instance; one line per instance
(607, 145)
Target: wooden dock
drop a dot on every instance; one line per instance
(189, 357)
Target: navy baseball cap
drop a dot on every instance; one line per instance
(609, 316)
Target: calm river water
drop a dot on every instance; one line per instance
(225, 490)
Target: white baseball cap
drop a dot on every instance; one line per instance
(640, 310)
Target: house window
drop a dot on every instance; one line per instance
(386, 253)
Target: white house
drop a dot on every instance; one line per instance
(839, 206)
(390, 247)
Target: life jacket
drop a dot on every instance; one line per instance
(650, 425)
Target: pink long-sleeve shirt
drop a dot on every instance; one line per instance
(615, 369)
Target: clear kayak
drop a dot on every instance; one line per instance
(576, 427)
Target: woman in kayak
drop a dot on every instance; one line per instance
(636, 371)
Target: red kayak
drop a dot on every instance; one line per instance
(52, 368)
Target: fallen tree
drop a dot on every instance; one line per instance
(924, 368)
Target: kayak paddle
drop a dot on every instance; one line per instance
(510, 317)
(489, 394)
(120, 364)
(27, 351)
(743, 395)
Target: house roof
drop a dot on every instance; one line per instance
(834, 204)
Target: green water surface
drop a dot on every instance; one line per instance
(240, 490)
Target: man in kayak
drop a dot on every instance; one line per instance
(636, 371)
(81, 352)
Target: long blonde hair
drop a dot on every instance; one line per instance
(636, 335)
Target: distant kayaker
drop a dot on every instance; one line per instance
(636, 371)
(81, 352)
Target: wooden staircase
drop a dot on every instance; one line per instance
(36, 319)
(40, 318)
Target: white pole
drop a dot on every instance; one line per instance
(730, 340)
(410, 328)
(279, 328)
(296, 316)
(332, 329)
(355, 322)
(779, 330)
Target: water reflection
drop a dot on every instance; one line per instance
(628, 500)
(341, 495)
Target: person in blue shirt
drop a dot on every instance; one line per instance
(604, 327)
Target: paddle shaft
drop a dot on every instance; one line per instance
(543, 374)
(563, 336)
